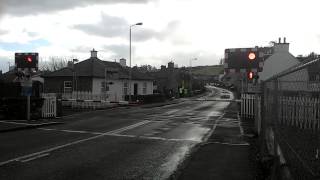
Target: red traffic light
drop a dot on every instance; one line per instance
(252, 56)
(29, 59)
(250, 75)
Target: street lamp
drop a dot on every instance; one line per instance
(130, 70)
(190, 61)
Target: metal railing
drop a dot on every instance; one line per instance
(290, 113)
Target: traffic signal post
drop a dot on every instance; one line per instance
(26, 64)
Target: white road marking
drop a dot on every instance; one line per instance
(229, 144)
(33, 158)
(71, 131)
(72, 143)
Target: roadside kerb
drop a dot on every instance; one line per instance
(24, 126)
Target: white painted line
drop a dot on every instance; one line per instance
(229, 144)
(71, 131)
(117, 131)
(33, 158)
(84, 132)
(72, 143)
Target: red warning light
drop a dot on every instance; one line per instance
(29, 59)
(250, 75)
(252, 56)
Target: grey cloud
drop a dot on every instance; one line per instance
(111, 26)
(183, 58)
(81, 49)
(119, 51)
(26, 7)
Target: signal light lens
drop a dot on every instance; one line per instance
(250, 75)
(29, 59)
(252, 56)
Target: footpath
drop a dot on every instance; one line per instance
(15, 125)
(229, 153)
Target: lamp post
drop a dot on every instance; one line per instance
(130, 70)
(190, 61)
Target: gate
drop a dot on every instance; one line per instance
(247, 105)
(49, 108)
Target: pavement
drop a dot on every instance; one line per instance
(15, 125)
(228, 153)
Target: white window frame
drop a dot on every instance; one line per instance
(104, 87)
(67, 86)
(125, 88)
(144, 88)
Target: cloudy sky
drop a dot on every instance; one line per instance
(177, 30)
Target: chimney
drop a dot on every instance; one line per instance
(171, 65)
(123, 62)
(163, 67)
(70, 64)
(94, 54)
(281, 47)
(284, 40)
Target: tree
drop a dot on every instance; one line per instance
(54, 63)
(147, 68)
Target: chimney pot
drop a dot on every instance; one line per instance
(94, 53)
(279, 40)
(123, 62)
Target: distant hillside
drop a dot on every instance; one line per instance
(208, 70)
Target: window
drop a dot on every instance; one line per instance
(104, 87)
(125, 88)
(144, 88)
(67, 87)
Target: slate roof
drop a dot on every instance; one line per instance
(94, 67)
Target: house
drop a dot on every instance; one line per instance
(98, 77)
(172, 81)
(279, 61)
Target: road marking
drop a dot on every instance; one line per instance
(71, 131)
(72, 143)
(229, 144)
(33, 158)
(213, 128)
(117, 131)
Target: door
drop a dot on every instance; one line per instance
(135, 89)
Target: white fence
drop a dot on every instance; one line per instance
(49, 107)
(247, 105)
(302, 112)
(88, 100)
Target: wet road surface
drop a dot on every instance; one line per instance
(122, 143)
